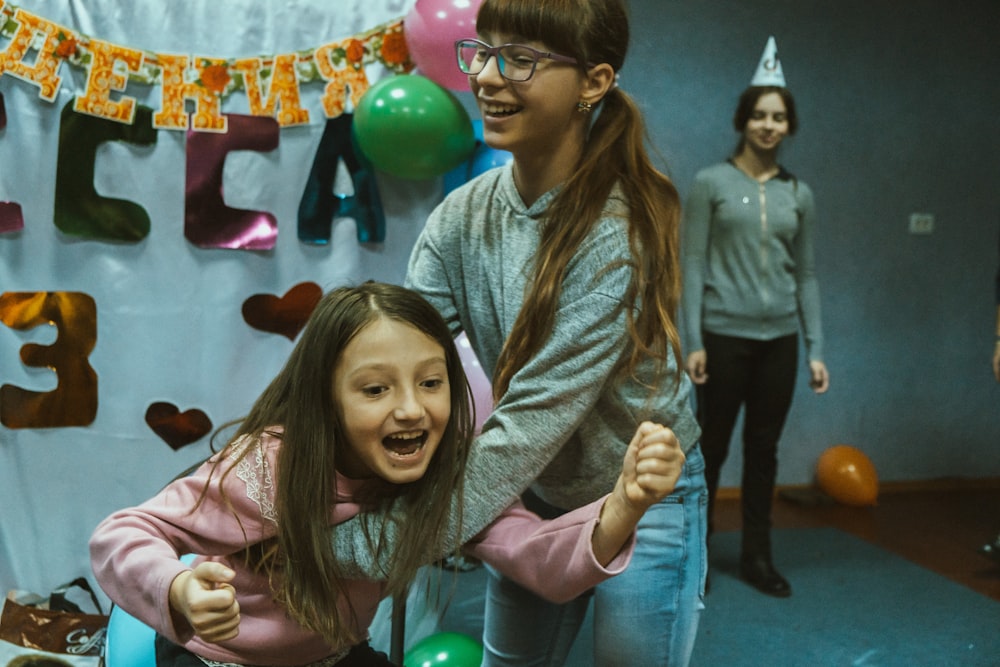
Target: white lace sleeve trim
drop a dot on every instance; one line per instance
(255, 472)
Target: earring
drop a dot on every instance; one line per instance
(584, 106)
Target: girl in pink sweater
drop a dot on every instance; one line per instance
(371, 410)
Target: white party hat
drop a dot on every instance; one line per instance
(769, 69)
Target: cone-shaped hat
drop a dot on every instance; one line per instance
(769, 69)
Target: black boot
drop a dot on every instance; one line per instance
(759, 572)
(756, 566)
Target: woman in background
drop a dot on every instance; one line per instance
(749, 285)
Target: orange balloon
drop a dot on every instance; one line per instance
(847, 475)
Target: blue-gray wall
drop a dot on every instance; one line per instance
(898, 106)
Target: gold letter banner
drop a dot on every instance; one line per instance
(39, 47)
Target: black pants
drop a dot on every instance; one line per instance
(169, 654)
(758, 376)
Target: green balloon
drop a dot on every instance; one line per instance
(409, 126)
(445, 649)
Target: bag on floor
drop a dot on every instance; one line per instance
(52, 632)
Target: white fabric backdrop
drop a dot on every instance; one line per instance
(169, 322)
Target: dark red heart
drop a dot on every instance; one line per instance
(283, 315)
(178, 429)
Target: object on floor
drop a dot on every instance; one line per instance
(760, 573)
(52, 630)
(806, 497)
(848, 475)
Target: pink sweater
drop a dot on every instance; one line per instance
(134, 553)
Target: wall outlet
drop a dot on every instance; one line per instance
(921, 223)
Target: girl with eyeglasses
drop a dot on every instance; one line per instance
(562, 270)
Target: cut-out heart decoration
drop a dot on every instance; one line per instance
(178, 429)
(283, 315)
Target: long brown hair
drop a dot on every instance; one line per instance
(306, 577)
(597, 31)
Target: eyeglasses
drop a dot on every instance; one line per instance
(516, 62)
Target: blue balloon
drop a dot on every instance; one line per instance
(129, 641)
(483, 159)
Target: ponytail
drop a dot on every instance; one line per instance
(614, 154)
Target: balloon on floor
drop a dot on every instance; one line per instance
(847, 475)
(445, 649)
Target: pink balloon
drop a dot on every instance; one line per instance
(431, 28)
(482, 392)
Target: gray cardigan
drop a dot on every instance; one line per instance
(747, 256)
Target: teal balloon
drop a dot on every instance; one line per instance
(409, 126)
(445, 649)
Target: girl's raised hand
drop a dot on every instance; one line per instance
(207, 601)
(653, 464)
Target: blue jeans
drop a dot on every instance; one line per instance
(647, 615)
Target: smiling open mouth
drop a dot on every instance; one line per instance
(500, 111)
(405, 444)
